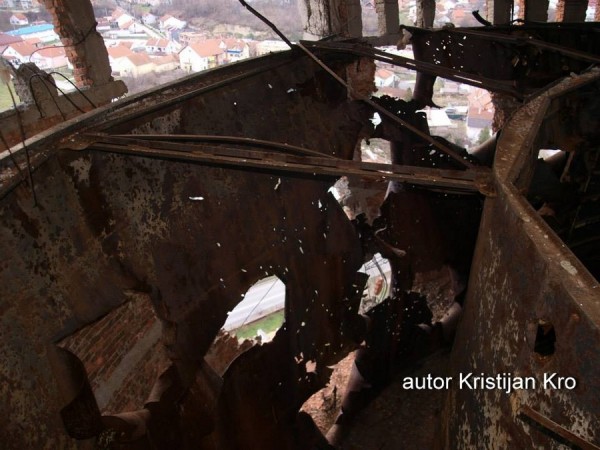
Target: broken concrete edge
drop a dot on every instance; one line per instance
(51, 111)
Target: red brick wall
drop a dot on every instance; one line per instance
(110, 343)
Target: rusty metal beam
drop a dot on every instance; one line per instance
(455, 180)
(204, 138)
(556, 428)
(505, 87)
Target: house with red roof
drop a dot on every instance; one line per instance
(162, 46)
(201, 56)
(117, 52)
(166, 63)
(480, 114)
(19, 20)
(136, 65)
(126, 63)
(170, 22)
(50, 58)
(235, 49)
(6, 40)
(385, 78)
(120, 17)
(19, 52)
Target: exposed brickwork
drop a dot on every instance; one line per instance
(75, 23)
(136, 387)
(224, 350)
(105, 345)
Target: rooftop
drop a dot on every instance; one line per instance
(31, 29)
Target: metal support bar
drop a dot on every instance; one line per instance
(205, 138)
(556, 428)
(455, 180)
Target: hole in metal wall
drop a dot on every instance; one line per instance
(261, 312)
(378, 284)
(545, 339)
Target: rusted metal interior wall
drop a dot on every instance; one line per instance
(108, 225)
(523, 275)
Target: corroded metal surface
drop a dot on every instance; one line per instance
(193, 221)
(525, 276)
(528, 56)
(105, 224)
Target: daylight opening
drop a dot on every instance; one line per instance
(150, 44)
(261, 313)
(378, 284)
(375, 150)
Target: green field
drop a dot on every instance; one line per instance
(5, 101)
(268, 324)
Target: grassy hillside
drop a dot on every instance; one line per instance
(5, 101)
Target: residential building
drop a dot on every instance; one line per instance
(235, 49)
(481, 113)
(393, 92)
(149, 19)
(119, 18)
(132, 26)
(135, 65)
(6, 40)
(166, 63)
(168, 21)
(28, 4)
(201, 56)
(103, 24)
(50, 58)
(385, 78)
(19, 20)
(44, 32)
(192, 37)
(163, 46)
(19, 52)
(270, 46)
(438, 121)
(126, 63)
(116, 54)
